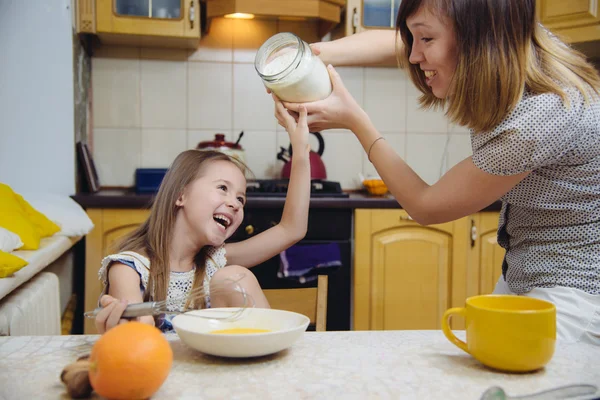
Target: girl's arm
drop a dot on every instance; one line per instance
(123, 289)
(294, 221)
(372, 47)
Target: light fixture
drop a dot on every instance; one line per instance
(240, 16)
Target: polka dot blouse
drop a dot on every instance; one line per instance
(550, 222)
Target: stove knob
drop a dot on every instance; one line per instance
(249, 229)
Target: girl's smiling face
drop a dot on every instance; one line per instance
(434, 49)
(213, 205)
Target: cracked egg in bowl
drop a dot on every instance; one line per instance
(257, 332)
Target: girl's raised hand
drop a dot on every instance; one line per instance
(294, 123)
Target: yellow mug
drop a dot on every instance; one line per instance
(505, 332)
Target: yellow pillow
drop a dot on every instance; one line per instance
(44, 226)
(14, 219)
(9, 264)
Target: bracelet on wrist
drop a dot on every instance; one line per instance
(371, 147)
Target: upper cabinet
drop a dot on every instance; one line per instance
(576, 20)
(326, 12)
(179, 23)
(157, 23)
(368, 14)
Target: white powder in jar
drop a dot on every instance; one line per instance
(309, 81)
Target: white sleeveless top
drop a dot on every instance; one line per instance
(180, 283)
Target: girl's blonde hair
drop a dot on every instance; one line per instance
(154, 235)
(502, 51)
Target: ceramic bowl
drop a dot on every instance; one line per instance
(284, 329)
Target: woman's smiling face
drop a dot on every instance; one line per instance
(434, 49)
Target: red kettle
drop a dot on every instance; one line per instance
(317, 168)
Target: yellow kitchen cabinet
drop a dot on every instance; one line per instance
(486, 254)
(576, 20)
(109, 226)
(152, 23)
(406, 275)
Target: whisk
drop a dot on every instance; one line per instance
(162, 307)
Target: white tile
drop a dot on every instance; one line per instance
(217, 43)
(194, 137)
(116, 88)
(210, 95)
(453, 128)
(385, 98)
(459, 148)
(261, 153)
(424, 153)
(353, 78)
(420, 120)
(253, 107)
(398, 143)
(248, 36)
(117, 153)
(161, 146)
(164, 94)
(342, 158)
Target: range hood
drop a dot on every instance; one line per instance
(326, 11)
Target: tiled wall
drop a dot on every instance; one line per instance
(149, 105)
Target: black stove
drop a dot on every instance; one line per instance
(278, 188)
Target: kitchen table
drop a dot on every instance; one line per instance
(322, 365)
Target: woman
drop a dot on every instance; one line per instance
(533, 107)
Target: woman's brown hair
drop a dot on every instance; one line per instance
(502, 51)
(153, 237)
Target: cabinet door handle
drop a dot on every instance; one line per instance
(192, 14)
(355, 20)
(473, 233)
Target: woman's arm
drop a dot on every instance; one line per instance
(462, 191)
(372, 47)
(294, 221)
(465, 189)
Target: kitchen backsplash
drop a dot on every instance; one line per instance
(149, 105)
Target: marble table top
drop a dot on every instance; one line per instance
(323, 365)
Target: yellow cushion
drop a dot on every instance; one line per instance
(15, 219)
(44, 226)
(9, 264)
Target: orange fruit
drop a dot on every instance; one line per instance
(130, 361)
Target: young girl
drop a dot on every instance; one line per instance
(533, 107)
(199, 205)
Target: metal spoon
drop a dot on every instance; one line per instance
(559, 393)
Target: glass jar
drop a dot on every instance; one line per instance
(288, 67)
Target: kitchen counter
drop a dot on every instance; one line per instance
(322, 365)
(129, 199)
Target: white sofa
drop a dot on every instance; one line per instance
(33, 299)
